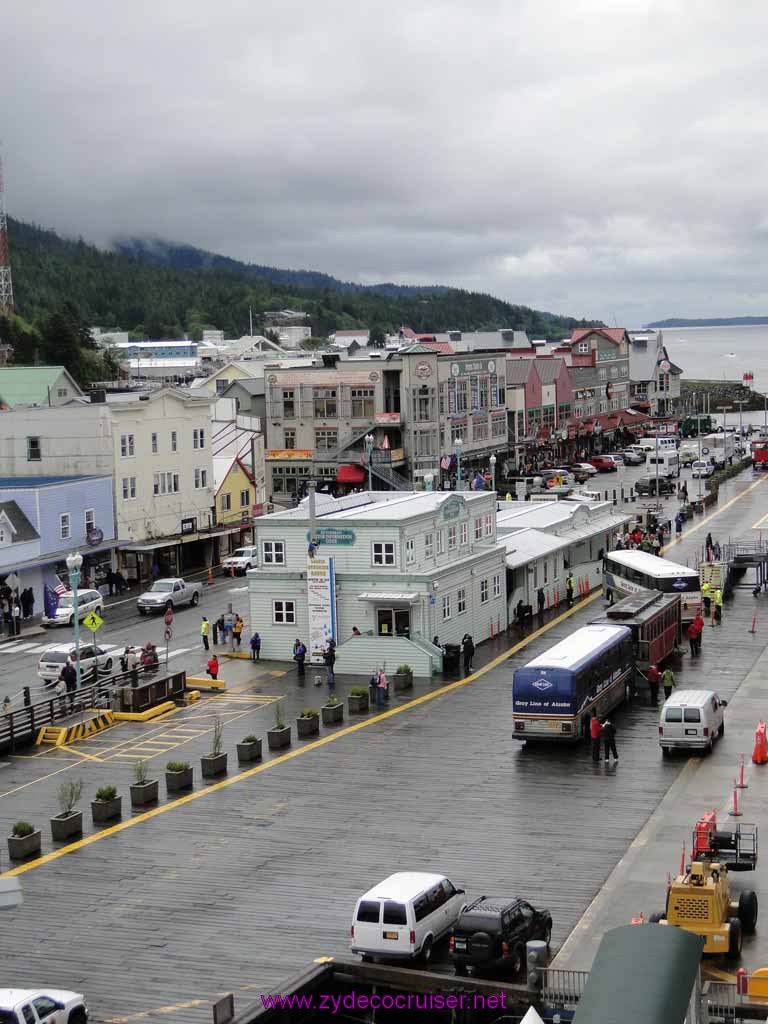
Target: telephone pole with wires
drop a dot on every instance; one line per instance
(6, 284)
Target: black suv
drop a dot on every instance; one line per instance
(490, 934)
(647, 485)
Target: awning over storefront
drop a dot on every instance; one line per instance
(376, 595)
(350, 475)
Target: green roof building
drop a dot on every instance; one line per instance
(36, 385)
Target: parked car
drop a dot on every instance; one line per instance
(42, 1006)
(241, 561)
(585, 469)
(604, 464)
(647, 485)
(633, 457)
(688, 456)
(404, 916)
(618, 457)
(87, 601)
(702, 468)
(53, 659)
(165, 595)
(557, 477)
(490, 934)
(691, 720)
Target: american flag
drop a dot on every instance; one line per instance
(59, 588)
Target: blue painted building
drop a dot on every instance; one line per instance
(43, 519)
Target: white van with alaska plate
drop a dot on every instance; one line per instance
(404, 916)
(691, 720)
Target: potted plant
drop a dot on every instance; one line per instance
(280, 736)
(144, 790)
(403, 678)
(68, 822)
(357, 699)
(24, 841)
(333, 711)
(249, 749)
(308, 723)
(215, 763)
(107, 805)
(178, 776)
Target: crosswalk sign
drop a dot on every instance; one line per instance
(93, 621)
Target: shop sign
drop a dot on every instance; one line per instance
(95, 536)
(423, 370)
(387, 419)
(289, 454)
(333, 535)
(453, 508)
(321, 606)
(476, 366)
(189, 525)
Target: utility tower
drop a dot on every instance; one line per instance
(6, 285)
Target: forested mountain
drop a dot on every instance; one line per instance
(145, 292)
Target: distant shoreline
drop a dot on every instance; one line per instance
(736, 321)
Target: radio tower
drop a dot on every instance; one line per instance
(6, 285)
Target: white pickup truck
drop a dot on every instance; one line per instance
(167, 595)
(240, 561)
(48, 1006)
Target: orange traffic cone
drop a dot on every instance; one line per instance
(760, 753)
(210, 575)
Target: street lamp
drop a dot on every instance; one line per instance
(369, 443)
(428, 479)
(492, 461)
(74, 564)
(457, 446)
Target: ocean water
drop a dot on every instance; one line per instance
(720, 353)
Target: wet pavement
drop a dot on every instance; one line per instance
(239, 884)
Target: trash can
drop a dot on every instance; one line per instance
(451, 657)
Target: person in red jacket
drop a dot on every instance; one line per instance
(213, 667)
(693, 637)
(654, 678)
(698, 622)
(595, 729)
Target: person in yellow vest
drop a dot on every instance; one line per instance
(508, 496)
(718, 605)
(706, 596)
(204, 629)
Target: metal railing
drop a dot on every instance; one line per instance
(718, 1002)
(562, 988)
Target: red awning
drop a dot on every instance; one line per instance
(350, 475)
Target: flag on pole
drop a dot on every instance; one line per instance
(59, 588)
(50, 601)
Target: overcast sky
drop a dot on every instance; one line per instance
(600, 158)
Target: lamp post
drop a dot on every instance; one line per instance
(428, 480)
(74, 564)
(369, 442)
(457, 446)
(492, 461)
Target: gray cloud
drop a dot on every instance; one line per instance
(598, 157)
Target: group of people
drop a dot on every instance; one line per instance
(15, 606)
(228, 625)
(603, 733)
(650, 541)
(146, 659)
(656, 679)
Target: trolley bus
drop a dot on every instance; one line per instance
(636, 572)
(589, 673)
(654, 620)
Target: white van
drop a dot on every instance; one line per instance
(404, 916)
(667, 461)
(690, 720)
(702, 467)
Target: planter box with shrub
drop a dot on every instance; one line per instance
(24, 841)
(68, 822)
(143, 790)
(215, 763)
(178, 776)
(308, 723)
(333, 711)
(107, 805)
(358, 700)
(403, 678)
(249, 750)
(280, 735)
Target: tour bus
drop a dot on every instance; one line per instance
(636, 572)
(591, 672)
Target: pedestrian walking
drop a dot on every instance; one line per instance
(213, 667)
(541, 600)
(237, 630)
(69, 676)
(706, 596)
(380, 686)
(654, 678)
(569, 590)
(60, 689)
(7, 706)
(329, 657)
(678, 525)
(204, 630)
(594, 734)
(255, 647)
(468, 650)
(656, 545)
(698, 622)
(609, 740)
(693, 635)
(708, 546)
(717, 551)
(718, 606)
(668, 682)
(299, 655)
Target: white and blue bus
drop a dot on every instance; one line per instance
(637, 572)
(554, 696)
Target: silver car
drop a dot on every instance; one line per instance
(92, 657)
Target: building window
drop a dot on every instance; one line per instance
(127, 447)
(226, 503)
(478, 528)
(289, 405)
(464, 534)
(461, 601)
(198, 437)
(383, 554)
(326, 440)
(129, 488)
(483, 591)
(410, 551)
(64, 527)
(324, 403)
(90, 520)
(363, 404)
(546, 568)
(289, 435)
(154, 444)
(273, 552)
(166, 483)
(201, 478)
(222, 385)
(61, 392)
(441, 542)
(497, 586)
(452, 538)
(174, 441)
(602, 373)
(457, 432)
(583, 348)
(33, 449)
(489, 524)
(446, 606)
(245, 498)
(284, 613)
(429, 545)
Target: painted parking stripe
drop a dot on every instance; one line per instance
(17, 648)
